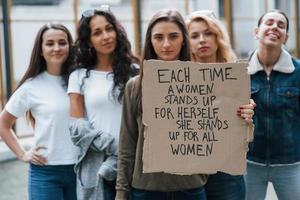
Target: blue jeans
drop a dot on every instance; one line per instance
(285, 179)
(192, 194)
(52, 182)
(222, 186)
(109, 188)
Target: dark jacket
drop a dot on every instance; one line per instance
(277, 114)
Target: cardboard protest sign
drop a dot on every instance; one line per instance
(189, 112)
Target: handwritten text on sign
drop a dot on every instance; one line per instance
(189, 110)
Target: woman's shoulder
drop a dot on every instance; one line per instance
(30, 84)
(133, 81)
(135, 66)
(296, 62)
(32, 81)
(78, 73)
(132, 86)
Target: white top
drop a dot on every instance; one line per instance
(283, 65)
(103, 111)
(48, 102)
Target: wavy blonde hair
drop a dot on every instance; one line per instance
(224, 52)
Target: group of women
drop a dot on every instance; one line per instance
(85, 104)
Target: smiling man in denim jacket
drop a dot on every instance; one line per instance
(274, 155)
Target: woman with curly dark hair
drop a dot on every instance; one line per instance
(105, 64)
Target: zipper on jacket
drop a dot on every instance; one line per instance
(268, 120)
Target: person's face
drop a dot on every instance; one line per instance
(103, 35)
(203, 41)
(167, 40)
(55, 47)
(272, 30)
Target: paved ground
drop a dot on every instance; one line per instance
(13, 181)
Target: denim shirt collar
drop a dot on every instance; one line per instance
(283, 65)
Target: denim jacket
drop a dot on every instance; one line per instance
(277, 114)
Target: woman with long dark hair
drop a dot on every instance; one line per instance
(166, 39)
(42, 96)
(104, 65)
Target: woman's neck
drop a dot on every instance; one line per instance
(268, 57)
(211, 59)
(104, 63)
(54, 69)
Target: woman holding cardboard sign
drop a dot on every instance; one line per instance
(210, 44)
(166, 39)
(274, 155)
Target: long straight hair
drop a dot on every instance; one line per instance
(38, 64)
(166, 15)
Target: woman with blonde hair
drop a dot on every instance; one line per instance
(222, 52)
(210, 43)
